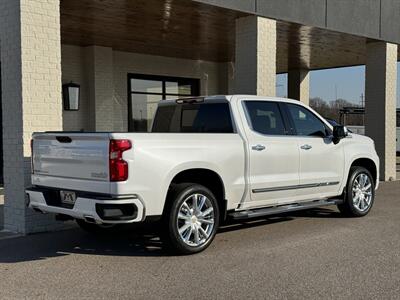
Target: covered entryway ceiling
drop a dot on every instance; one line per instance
(186, 29)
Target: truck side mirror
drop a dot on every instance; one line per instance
(339, 132)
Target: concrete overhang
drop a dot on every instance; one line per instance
(193, 30)
(375, 19)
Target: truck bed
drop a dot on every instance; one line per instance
(80, 162)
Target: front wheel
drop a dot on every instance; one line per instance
(191, 220)
(360, 193)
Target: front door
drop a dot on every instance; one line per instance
(321, 161)
(273, 155)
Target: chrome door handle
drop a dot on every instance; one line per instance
(258, 147)
(306, 147)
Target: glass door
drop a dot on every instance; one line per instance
(145, 91)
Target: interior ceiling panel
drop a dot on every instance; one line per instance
(186, 29)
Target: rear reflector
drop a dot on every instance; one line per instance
(118, 166)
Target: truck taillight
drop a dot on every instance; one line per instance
(118, 166)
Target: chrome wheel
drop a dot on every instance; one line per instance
(195, 222)
(362, 192)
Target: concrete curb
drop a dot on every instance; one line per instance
(5, 234)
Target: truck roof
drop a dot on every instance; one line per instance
(231, 98)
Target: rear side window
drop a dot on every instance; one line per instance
(194, 118)
(265, 117)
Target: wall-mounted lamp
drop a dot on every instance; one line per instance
(71, 95)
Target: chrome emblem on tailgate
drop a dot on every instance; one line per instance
(101, 175)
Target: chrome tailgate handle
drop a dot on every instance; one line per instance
(306, 147)
(258, 147)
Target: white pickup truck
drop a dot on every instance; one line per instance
(206, 159)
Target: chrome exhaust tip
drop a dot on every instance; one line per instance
(89, 219)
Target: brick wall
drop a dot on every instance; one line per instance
(101, 90)
(299, 85)
(74, 69)
(255, 70)
(211, 80)
(78, 64)
(380, 103)
(31, 77)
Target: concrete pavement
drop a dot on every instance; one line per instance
(314, 254)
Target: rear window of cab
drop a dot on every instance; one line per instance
(203, 117)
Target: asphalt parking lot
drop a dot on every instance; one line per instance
(314, 254)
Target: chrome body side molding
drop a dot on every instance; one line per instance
(294, 187)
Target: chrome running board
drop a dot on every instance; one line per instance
(273, 210)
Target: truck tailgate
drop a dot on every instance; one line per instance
(82, 156)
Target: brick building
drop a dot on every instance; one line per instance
(127, 55)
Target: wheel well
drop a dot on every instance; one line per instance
(368, 164)
(207, 178)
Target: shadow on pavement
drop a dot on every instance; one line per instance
(318, 213)
(232, 225)
(61, 243)
(138, 240)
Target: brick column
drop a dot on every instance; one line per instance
(101, 87)
(299, 85)
(31, 99)
(380, 104)
(255, 69)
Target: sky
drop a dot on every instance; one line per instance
(348, 82)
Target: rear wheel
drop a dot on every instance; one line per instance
(360, 193)
(191, 220)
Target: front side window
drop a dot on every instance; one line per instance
(265, 117)
(305, 122)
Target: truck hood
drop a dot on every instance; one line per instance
(362, 139)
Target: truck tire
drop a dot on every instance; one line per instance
(96, 228)
(190, 220)
(359, 195)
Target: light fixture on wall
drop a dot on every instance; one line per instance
(71, 96)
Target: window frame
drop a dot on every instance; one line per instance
(292, 125)
(193, 82)
(285, 120)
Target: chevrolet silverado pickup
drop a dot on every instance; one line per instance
(206, 159)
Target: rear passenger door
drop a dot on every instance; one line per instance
(273, 154)
(321, 161)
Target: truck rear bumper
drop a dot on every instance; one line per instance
(90, 207)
